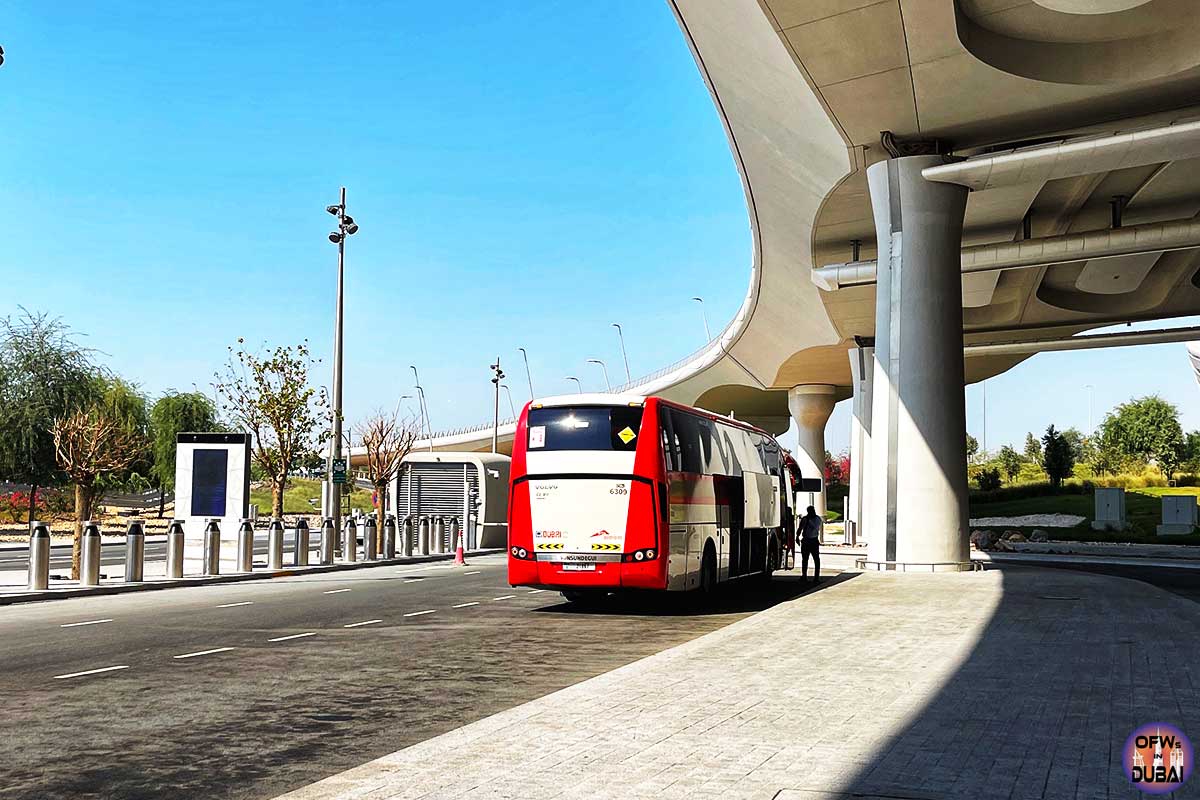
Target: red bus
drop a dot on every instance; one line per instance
(621, 492)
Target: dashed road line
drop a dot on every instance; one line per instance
(414, 580)
(91, 672)
(464, 605)
(235, 605)
(360, 624)
(293, 636)
(419, 613)
(504, 597)
(203, 652)
(89, 622)
(535, 591)
(476, 572)
(336, 591)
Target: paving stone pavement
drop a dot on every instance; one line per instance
(1016, 683)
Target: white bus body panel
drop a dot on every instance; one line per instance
(762, 500)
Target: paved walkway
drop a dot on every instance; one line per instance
(1019, 683)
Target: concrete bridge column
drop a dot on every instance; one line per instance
(918, 493)
(862, 373)
(811, 406)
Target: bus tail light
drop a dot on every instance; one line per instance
(647, 554)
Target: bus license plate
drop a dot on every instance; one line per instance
(579, 567)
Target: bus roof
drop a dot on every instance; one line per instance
(611, 399)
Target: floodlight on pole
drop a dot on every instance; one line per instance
(496, 378)
(346, 227)
(578, 385)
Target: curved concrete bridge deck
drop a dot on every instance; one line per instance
(1016, 683)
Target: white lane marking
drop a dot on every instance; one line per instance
(204, 652)
(89, 622)
(235, 605)
(414, 580)
(293, 636)
(336, 591)
(360, 624)
(464, 605)
(90, 672)
(504, 597)
(419, 613)
(535, 591)
(476, 572)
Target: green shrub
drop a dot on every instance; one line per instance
(988, 479)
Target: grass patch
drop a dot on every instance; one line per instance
(1143, 508)
(297, 494)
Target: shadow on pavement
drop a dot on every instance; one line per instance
(739, 597)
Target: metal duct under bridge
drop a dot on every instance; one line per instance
(1154, 237)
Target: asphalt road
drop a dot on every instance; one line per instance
(249, 690)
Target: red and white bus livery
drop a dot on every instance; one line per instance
(619, 492)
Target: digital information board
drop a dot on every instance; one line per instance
(212, 480)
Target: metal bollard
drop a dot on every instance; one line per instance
(423, 537)
(455, 530)
(39, 556)
(350, 548)
(327, 535)
(135, 552)
(212, 547)
(245, 546)
(370, 540)
(275, 544)
(89, 555)
(439, 535)
(175, 549)
(389, 537)
(300, 556)
(406, 537)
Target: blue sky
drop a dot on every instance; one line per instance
(524, 174)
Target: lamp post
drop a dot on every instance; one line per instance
(508, 392)
(578, 385)
(528, 374)
(624, 357)
(607, 382)
(424, 408)
(496, 378)
(704, 316)
(346, 227)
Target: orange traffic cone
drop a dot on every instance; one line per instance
(460, 558)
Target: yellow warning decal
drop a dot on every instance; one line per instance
(627, 435)
(600, 546)
(550, 546)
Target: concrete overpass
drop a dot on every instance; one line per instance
(1023, 171)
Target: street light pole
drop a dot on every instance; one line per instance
(496, 378)
(424, 407)
(508, 392)
(704, 316)
(624, 357)
(346, 227)
(578, 385)
(528, 374)
(607, 382)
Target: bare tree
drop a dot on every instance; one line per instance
(269, 397)
(387, 439)
(88, 444)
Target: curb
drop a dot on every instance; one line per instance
(240, 577)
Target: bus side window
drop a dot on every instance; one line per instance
(687, 434)
(670, 439)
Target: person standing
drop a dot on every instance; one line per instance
(811, 526)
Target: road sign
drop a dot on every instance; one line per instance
(339, 470)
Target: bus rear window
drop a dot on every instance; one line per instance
(585, 428)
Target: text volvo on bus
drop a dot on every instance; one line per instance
(619, 492)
